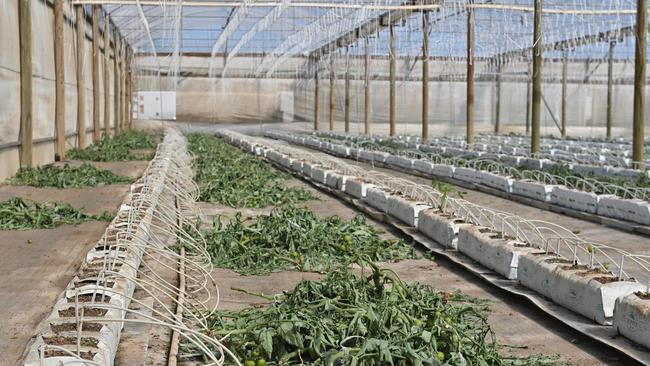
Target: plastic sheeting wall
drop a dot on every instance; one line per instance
(43, 80)
(242, 97)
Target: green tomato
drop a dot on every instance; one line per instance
(440, 356)
(261, 362)
(256, 354)
(249, 363)
(418, 322)
(294, 254)
(347, 238)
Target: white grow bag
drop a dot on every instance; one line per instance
(319, 174)
(423, 166)
(468, 175)
(357, 188)
(336, 180)
(444, 230)
(376, 197)
(297, 166)
(534, 190)
(634, 210)
(486, 247)
(443, 170)
(499, 182)
(588, 297)
(577, 200)
(307, 168)
(632, 318)
(404, 209)
(537, 272)
(400, 162)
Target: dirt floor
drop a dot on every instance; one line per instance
(40, 263)
(519, 326)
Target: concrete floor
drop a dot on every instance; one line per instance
(515, 323)
(37, 272)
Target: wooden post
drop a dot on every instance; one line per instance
(59, 85)
(639, 84)
(122, 85)
(331, 96)
(96, 129)
(393, 72)
(346, 117)
(366, 104)
(81, 77)
(537, 79)
(25, 35)
(497, 120)
(425, 76)
(610, 88)
(470, 76)
(316, 98)
(565, 68)
(107, 76)
(528, 76)
(116, 81)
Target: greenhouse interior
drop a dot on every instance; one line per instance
(324, 182)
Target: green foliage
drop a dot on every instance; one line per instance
(20, 214)
(296, 238)
(445, 189)
(118, 148)
(347, 319)
(85, 175)
(229, 176)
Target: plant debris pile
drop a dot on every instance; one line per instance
(85, 175)
(118, 148)
(20, 214)
(347, 319)
(227, 175)
(295, 238)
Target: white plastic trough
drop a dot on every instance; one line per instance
(404, 209)
(442, 229)
(488, 248)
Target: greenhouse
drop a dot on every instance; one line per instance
(324, 182)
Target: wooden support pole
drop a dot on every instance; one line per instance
(425, 76)
(610, 88)
(470, 76)
(97, 134)
(497, 119)
(529, 75)
(565, 71)
(537, 79)
(59, 83)
(25, 35)
(316, 98)
(81, 77)
(366, 104)
(639, 84)
(331, 96)
(346, 117)
(107, 76)
(116, 81)
(393, 76)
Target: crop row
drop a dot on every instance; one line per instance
(574, 273)
(583, 194)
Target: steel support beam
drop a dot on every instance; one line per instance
(610, 88)
(59, 77)
(331, 95)
(537, 79)
(366, 104)
(81, 77)
(346, 117)
(470, 76)
(425, 76)
(565, 70)
(393, 74)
